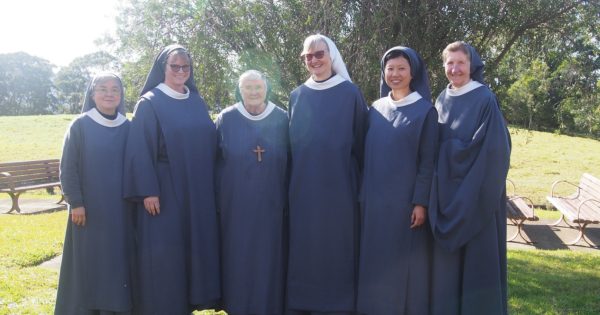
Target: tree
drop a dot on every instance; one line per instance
(71, 81)
(230, 36)
(25, 85)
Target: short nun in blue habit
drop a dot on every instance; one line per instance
(400, 149)
(467, 208)
(327, 127)
(95, 274)
(252, 199)
(169, 173)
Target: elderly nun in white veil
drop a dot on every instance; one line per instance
(327, 129)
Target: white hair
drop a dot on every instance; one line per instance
(252, 75)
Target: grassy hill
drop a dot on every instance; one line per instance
(538, 158)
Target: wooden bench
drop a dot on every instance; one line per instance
(18, 177)
(581, 208)
(518, 210)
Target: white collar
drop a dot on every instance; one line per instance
(463, 89)
(95, 115)
(329, 83)
(407, 100)
(172, 93)
(268, 109)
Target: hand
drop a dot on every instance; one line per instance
(418, 217)
(78, 216)
(152, 205)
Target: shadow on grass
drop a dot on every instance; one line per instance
(558, 282)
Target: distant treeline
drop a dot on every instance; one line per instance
(542, 57)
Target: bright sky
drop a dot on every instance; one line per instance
(56, 30)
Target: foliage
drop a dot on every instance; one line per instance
(233, 35)
(25, 85)
(71, 81)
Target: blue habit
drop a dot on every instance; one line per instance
(95, 273)
(252, 200)
(400, 152)
(327, 128)
(467, 208)
(171, 153)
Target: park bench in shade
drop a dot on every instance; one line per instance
(518, 210)
(18, 177)
(580, 208)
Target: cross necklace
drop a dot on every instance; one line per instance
(259, 151)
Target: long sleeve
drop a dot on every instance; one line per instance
(140, 178)
(427, 155)
(70, 177)
(470, 180)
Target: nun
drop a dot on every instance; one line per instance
(95, 274)
(252, 160)
(169, 174)
(400, 149)
(467, 208)
(327, 129)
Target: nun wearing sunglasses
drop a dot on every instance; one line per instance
(327, 130)
(169, 174)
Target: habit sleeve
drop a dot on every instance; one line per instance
(70, 179)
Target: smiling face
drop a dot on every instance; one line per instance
(458, 68)
(397, 76)
(107, 96)
(177, 71)
(320, 69)
(254, 93)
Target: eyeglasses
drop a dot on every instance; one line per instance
(105, 91)
(318, 54)
(176, 68)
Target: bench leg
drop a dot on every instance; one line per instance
(519, 225)
(14, 197)
(581, 236)
(62, 197)
(562, 219)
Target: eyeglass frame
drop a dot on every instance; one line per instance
(317, 55)
(178, 68)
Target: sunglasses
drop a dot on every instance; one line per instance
(176, 68)
(308, 57)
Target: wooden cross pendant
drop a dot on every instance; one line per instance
(259, 151)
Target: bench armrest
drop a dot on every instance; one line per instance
(566, 182)
(512, 186)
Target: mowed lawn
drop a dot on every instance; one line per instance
(540, 282)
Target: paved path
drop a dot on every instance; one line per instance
(554, 237)
(32, 206)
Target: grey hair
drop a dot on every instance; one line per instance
(252, 75)
(311, 41)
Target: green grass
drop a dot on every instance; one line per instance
(539, 158)
(553, 282)
(28, 240)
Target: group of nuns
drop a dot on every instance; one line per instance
(330, 208)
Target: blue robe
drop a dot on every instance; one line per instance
(171, 153)
(467, 210)
(327, 128)
(400, 152)
(252, 199)
(95, 272)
